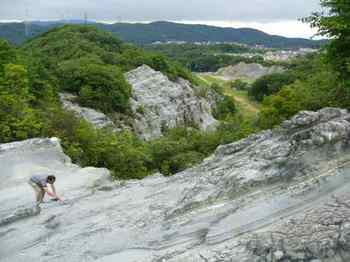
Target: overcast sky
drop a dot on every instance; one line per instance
(273, 16)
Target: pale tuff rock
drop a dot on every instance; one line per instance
(160, 104)
(246, 71)
(157, 103)
(280, 195)
(96, 118)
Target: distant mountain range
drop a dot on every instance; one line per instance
(163, 32)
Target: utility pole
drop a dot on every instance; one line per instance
(85, 18)
(27, 24)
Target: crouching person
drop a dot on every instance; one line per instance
(44, 184)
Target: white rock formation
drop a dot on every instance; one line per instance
(161, 104)
(281, 195)
(94, 117)
(246, 71)
(158, 104)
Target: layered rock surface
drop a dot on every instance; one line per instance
(246, 71)
(280, 195)
(161, 104)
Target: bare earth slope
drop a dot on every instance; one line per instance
(281, 195)
(246, 71)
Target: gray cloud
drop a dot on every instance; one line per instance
(150, 10)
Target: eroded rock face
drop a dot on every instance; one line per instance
(96, 118)
(246, 71)
(281, 195)
(160, 104)
(157, 103)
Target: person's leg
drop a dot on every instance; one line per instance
(39, 193)
(40, 196)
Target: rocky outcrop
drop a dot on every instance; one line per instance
(246, 71)
(280, 195)
(96, 118)
(160, 104)
(157, 103)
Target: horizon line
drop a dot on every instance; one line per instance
(297, 29)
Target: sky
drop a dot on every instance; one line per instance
(272, 16)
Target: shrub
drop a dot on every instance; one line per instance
(225, 107)
(321, 88)
(99, 86)
(239, 85)
(140, 110)
(269, 84)
(7, 55)
(18, 120)
(217, 88)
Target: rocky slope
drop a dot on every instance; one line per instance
(98, 119)
(158, 104)
(161, 104)
(246, 71)
(280, 195)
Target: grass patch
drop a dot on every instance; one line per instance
(246, 107)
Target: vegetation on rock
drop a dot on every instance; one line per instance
(90, 63)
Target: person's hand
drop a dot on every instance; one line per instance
(61, 201)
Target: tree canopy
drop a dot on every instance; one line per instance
(269, 84)
(90, 63)
(334, 22)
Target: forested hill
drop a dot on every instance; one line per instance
(167, 31)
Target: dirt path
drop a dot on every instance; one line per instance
(245, 105)
(243, 102)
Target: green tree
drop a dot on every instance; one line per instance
(239, 85)
(279, 107)
(317, 87)
(16, 80)
(17, 120)
(269, 84)
(224, 108)
(99, 86)
(334, 22)
(7, 55)
(218, 88)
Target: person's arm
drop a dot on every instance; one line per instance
(52, 192)
(53, 189)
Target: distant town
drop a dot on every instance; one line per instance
(268, 54)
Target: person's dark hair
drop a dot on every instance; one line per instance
(51, 179)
